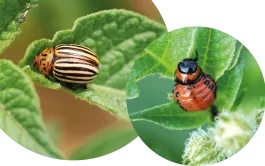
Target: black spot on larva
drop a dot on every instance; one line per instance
(214, 91)
(211, 87)
(178, 101)
(44, 68)
(177, 93)
(44, 54)
(206, 82)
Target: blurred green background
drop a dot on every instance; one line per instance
(70, 122)
(154, 91)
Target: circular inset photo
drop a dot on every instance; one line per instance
(63, 78)
(196, 96)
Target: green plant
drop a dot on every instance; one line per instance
(231, 132)
(238, 91)
(12, 14)
(20, 115)
(117, 36)
(219, 57)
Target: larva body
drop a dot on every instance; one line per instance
(194, 91)
(71, 64)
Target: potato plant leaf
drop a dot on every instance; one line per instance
(117, 36)
(217, 52)
(228, 86)
(252, 84)
(12, 13)
(171, 116)
(20, 115)
(239, 47)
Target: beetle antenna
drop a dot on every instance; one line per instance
(197, 57)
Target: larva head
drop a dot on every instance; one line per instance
(188, 71)
(44, 61)
(189, 66)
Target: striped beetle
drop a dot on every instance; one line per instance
(71, 64)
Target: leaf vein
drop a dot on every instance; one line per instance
(8, 113)
(192, 43)
(150, 53)
(207, 49)
(168, 43)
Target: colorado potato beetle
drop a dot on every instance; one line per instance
(71, 64)
(193, 91)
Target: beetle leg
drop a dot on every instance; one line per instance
(82, 86)
(174, 87)
(75, 86)
(47, 77)
(66, 85)
(182, 108)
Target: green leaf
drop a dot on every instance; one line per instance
(105, 142)
(239, 47)
(117, 36)
(252, 86)
(216, 50)
(228, 86)
(171, 116)
(20, 115)
(11, 16)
